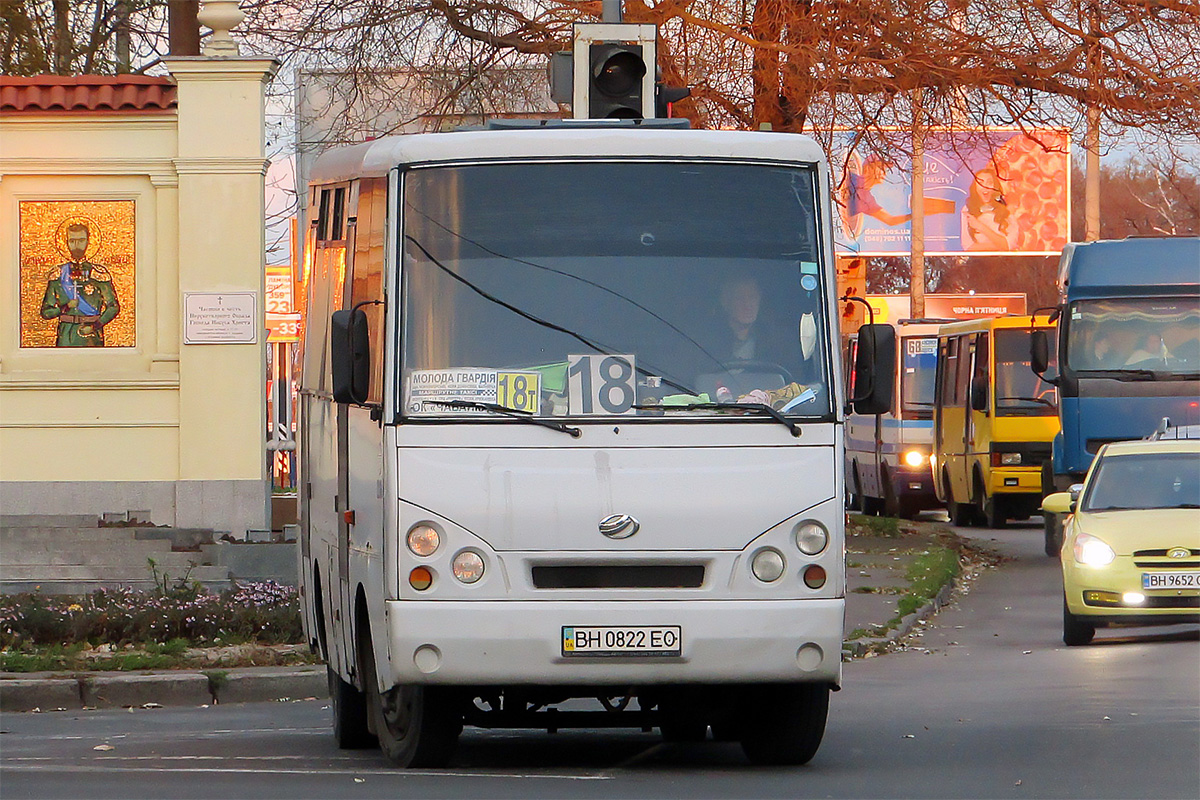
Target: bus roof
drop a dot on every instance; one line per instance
(376, 158)
(996, 323)
(1130, 267)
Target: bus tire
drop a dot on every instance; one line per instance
(983, 507)
(960, 513)
(785, 723)
(994, 512)
(417, 726)
(1053, 532)
(349, 707)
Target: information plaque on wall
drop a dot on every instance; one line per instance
(220, 318)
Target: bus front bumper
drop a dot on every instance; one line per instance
(513, 642)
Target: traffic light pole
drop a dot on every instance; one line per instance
(612, 11)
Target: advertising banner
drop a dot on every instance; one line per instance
(890, 308)
(993, 192)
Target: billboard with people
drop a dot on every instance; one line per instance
(985, 192)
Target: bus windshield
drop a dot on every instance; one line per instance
(1019, 391)
(611, 288)
(1135, 335)
(918, 367)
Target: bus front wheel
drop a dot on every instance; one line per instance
(349, 707)
(417, 726)
(785, 723)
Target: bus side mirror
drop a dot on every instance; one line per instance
(350, 355)
(875, 369)
(1039, 351)
(979, 394)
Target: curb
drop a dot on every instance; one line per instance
(55, 692)
(857, 648)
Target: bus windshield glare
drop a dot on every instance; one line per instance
(700, 282)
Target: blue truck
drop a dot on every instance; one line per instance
(1128, 351)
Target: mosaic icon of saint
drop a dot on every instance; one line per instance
(80, 295)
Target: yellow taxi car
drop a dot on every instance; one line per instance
(1131, 547)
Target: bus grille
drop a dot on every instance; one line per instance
(611, 576)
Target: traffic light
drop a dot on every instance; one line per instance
(612, 72)
(615, 78)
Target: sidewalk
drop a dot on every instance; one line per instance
(879, 553)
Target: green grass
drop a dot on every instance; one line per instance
(877, 526)
(927, 574)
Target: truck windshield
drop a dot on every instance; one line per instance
(1019, 391)
(1129, 335)
(600, 288)
(918, 366)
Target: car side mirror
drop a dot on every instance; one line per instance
(1058, 503)
(350, 356)
(874, 369)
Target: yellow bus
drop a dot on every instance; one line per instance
(994, 420)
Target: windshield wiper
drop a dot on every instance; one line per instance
(760, 408)
(512, 412)
(1120, 374)
(1041, 400)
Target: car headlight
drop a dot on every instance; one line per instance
(467, 566)
(811, 537)
(767, 565)
(1093, 552)
(1010, 459)
(423, 540)
(914, 458)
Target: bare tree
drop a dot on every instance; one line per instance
(70, 37)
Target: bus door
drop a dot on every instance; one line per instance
(978, 433)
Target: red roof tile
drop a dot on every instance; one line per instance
(86, 94)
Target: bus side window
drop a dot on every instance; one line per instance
(980, 379)
(851, 355)
(337, 228)
(323, 217)
(948, 364)
(367, 277)
(962, 376)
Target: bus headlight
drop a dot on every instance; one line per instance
(914, 458)
(1092, 551)
(767, 565)
(467, 566)
(811, 537)
(423, 540)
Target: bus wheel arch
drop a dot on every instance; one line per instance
(415, 725)
(322, 637)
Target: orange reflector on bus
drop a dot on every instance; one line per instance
(420, 578)
(814, 576)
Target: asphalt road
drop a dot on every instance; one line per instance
(987, 702)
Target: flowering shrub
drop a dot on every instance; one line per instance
(264, 612)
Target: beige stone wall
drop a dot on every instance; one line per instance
(173, 427)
